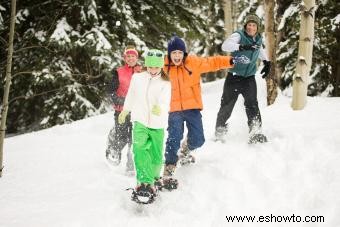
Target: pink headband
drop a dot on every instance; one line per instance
(131, 51)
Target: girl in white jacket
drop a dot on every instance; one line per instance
(148, 100)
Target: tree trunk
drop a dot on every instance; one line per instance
(7, 84)
(272, 80)
(304, 60)
(228, 20)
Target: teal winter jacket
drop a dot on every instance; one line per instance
(247, 70)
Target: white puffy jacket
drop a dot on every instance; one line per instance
(144, 92)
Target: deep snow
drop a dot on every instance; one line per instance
(59, 176)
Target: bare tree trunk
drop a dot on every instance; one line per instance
(272, 80)
(228, 21)
(235, 13)
(8, 84)
(304, 60)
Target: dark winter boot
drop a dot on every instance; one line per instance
(144, 194)
(168, 181)
(255, 132)
(221, 133)
(185, 157)
(257, 138)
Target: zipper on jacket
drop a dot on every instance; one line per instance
(147, 99)
(251, 58)
(179, 88)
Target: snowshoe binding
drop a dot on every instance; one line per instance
(185, 156)
(168, 182)
(186, 159)
(159, 184)
(144, 194)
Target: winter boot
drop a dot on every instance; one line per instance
(130, 168)
(257, 138)
(113, 156)
(221, 133)
(158, 184)
(255, 133)
(185, 156)
(168, 181)
(144, 194)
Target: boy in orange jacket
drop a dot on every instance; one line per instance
(186, 104)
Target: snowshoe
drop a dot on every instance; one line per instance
(185, 156)
(257, 138)
(159, 184)
(144, 194)
(186, 159)
(170, 183)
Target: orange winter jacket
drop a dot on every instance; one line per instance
(186, 79)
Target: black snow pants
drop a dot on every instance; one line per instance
(121, 134)
(233, 86)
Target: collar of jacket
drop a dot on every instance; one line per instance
(168, 64)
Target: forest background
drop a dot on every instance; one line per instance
(64, 51)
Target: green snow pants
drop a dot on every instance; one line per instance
(148, 152)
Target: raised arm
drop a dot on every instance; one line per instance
(232, 43)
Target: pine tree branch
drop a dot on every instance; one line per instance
(86, 75)
(3, 41)
(20, 73)
(38, 94)
(31, 47)
(35, 95)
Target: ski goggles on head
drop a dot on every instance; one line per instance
(155, 54)
(154, 58)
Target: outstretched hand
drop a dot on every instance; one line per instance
(240, 60)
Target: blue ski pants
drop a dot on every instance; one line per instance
(195, 136)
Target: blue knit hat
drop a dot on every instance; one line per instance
(176, 43)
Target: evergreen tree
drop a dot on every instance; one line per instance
(64, 52)
(323, 79)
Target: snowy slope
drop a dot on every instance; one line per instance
(59, 177)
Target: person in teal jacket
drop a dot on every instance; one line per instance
(148, 100)
(245, 43)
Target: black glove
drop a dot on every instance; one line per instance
(266, 68)
(251, 47)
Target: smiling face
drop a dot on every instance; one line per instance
(131, 59)
(154, 71)
(251, 28)
(177, 57)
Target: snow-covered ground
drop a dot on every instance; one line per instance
(59, 176)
